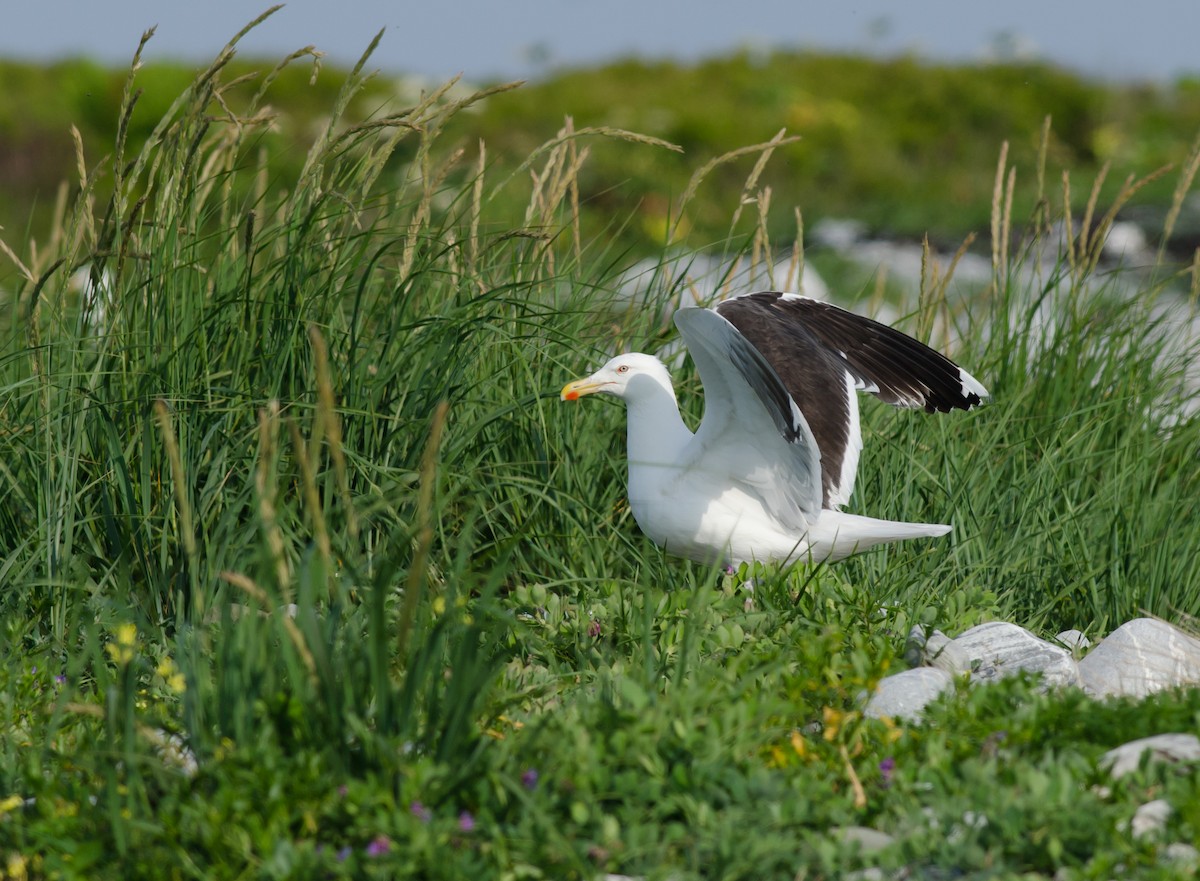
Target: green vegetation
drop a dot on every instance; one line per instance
(904, 145)
(335, 389)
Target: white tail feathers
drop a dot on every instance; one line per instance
(837, 535)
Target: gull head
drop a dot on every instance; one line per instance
(626, 376)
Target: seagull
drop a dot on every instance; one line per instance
(774, 459)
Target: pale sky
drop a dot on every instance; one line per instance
(1149, 39)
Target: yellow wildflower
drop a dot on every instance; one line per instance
(17, 867)
(894, 732)
(171, 675)
(798, 743)
(832, 719)
(124, 645)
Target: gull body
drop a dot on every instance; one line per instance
(775, 456)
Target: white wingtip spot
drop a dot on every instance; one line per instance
(971, 386)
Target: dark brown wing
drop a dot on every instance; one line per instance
(892, 365)
(823, 353)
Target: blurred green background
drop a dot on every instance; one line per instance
(905, 146)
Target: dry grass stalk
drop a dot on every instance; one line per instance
(328, 417)
(860, 794)
(796, 266)
(751, 183)
(306, 52)
(1095, 241)
(218, 167)
(577, 159)
(453, 267)
(1195, 291)
(998, 218)
(1068, 221)
(247, 586)
(590, 131)
(329, 140)
(432, 180)
(195, 96)
(424, 536)
(1086, 238)
(557, 182)
(183, 505)
(1182, 186)
(86, 210)
(16, 261)
(703, 171)
(941, 288)
(567, 176)
(476, 212)
(925, 293)
(761, 249)
(1006, 221)
(266, 489)
(1041, 210)
(312, 499)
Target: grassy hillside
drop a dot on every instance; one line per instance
(904, 145)
(308, 573)
(907, 146)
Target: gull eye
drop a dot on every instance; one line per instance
(624, 368)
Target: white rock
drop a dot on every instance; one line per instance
(1140, 657)
(869, 840)
(1150, 818)
(871, 873)
(1126, 241)
(838, 234)
(945, 654)
(914, 646)
(1185, 855)
(1073, 639)
(1127, 757)
(999, 649)
(173, 751)
(905, 695)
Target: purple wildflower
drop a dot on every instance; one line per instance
(886, 769)
(466, 822)
(343, 854)
(530, 778)
(379, 845)
(594, 629)
(343, 790)
(992, 743)
(421, 812)
(61, 679)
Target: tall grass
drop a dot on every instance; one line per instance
(303, 435)
(1071, 492)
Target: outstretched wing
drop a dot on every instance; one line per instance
(823, 353)
(752, 436)
(890, 364)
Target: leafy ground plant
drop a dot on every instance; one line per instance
(307, 574)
